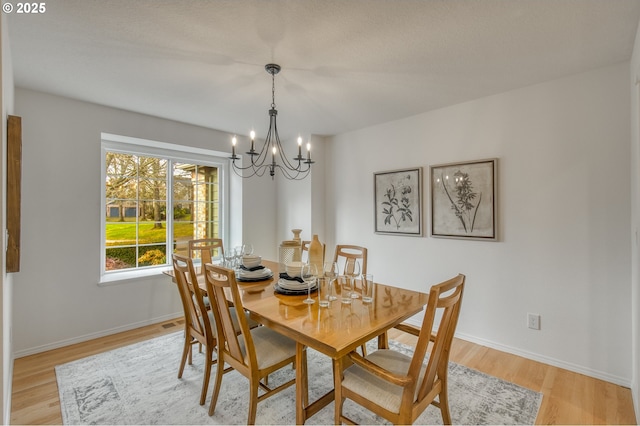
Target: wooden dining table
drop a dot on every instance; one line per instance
(333, 331)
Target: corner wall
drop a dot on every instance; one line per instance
(564, 211)
(6, 281)
(634, 89)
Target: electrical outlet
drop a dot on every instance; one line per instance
(533, 321)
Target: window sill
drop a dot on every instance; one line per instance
(117, 278)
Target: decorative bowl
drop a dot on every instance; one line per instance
(294, 269)
(251, 260)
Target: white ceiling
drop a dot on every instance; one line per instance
(346, 64)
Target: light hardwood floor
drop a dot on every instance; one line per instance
(569, 398)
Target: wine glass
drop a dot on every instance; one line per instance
(331, 272)
(309, 274)
(247, 249)
(354, 273)
(229, 256)
(237, 256)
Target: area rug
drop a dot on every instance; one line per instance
(138, 384)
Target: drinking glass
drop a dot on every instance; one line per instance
(324, 290)
(367, 288)
(344, 282)
(309, 274)
(354, 274)
(331, 273)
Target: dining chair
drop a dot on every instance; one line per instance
(254, 353)
(400, 387)
(206, 249)
(346, 256)
(199, 326)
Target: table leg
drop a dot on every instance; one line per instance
(302, 387)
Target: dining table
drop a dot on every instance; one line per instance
(333, 331)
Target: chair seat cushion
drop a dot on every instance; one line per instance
(375, 389)
(271, 347)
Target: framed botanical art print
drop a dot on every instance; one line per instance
(464, 200)
(398, 202)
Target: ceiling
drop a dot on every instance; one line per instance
(346, 64)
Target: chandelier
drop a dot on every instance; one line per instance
(259, 159)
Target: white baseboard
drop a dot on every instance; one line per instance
(622, 381)
(67, 342)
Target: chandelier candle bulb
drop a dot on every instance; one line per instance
(253, 136)
(233, 147)
(299, 148)
(308, 151)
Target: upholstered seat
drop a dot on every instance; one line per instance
(375, 389)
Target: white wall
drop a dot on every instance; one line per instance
(6, 281)
(57, 300)
(564, 210)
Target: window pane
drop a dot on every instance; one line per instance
(120, 258)
(119, 233)
(152, 189)
(182, 211)
(152, 255)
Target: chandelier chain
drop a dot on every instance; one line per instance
(273, 90)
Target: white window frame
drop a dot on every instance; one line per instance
(173, 152)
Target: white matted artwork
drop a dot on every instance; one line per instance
(464, 200)
(398, 202)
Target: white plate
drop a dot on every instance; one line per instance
(261, 273)
(292, 284)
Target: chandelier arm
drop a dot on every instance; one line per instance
(284, 158)
(299, 175)
(256, 171)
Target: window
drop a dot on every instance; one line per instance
(157, 197)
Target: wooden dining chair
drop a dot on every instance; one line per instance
(399, 387)
(206, 249)
(346, 256)
(254, 353)
(199, 320)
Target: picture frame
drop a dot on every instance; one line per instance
(14, 191)
(464, 200)
(398, 202)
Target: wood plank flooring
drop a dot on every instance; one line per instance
(569, 398)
